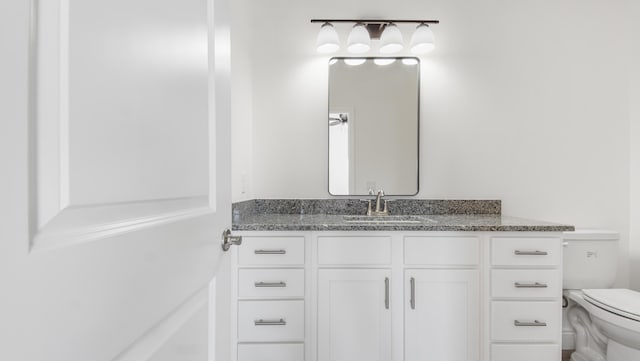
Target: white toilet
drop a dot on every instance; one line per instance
(606, 321)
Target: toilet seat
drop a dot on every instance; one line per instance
(622, 302)
(604, 313)
(615, 318)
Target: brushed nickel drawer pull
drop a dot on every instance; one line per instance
(270, 251)
(530, 285)
(535, 323)
(261, 322)
(531, 253)
(412, 300)
(270, 284)
(386, 293)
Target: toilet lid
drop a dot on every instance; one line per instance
(621, 301)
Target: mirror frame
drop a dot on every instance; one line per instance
(418, 120)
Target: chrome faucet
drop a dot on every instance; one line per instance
(378, 211)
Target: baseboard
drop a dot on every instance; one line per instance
(568, 340)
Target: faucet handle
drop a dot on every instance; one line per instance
(369, 210)
(386, 207)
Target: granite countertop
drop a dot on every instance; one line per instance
(273, 216)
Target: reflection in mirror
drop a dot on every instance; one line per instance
(373, 125)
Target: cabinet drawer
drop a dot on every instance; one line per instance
(505, 315)
(271, 283)
(539, 283)
(271, 320)
(514, 251)
(354, 250)
(271, 352)
(271, 251)
(441, 250)
(525, 352)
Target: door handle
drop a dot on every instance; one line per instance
(228, 240)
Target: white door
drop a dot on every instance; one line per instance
(114, 186)
(441, 315)
(354, 315)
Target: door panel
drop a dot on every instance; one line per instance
(118, 162)
(137, 100)
(121, 123)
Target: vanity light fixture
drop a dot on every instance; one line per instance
(328, 40)
(422, 39)
(363, 31)
(359, 40)
(391, 40)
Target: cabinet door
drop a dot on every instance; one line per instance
(442, 315)
(354, 316)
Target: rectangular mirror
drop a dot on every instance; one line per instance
(373, 125)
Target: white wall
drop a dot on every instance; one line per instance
(634, 111)
(521, 101)
(241, 102)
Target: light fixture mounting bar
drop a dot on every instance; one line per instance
(374, 21)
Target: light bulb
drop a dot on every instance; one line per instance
(359, 41)
(328, 41)
(391, 40)
(422, 40)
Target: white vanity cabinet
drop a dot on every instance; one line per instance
(269, 298)
(525, 297)
(441, 316)
(354, 315)
(398, 295)
(441, 320)
(354, 296)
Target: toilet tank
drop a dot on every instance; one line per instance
(590, 259)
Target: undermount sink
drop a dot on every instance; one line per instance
(387, 219)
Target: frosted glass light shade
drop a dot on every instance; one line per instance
(391, 40)
(328, 41)
(422, 40)
(359, 41)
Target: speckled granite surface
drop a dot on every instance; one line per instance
(359, 206)
(282, 217)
